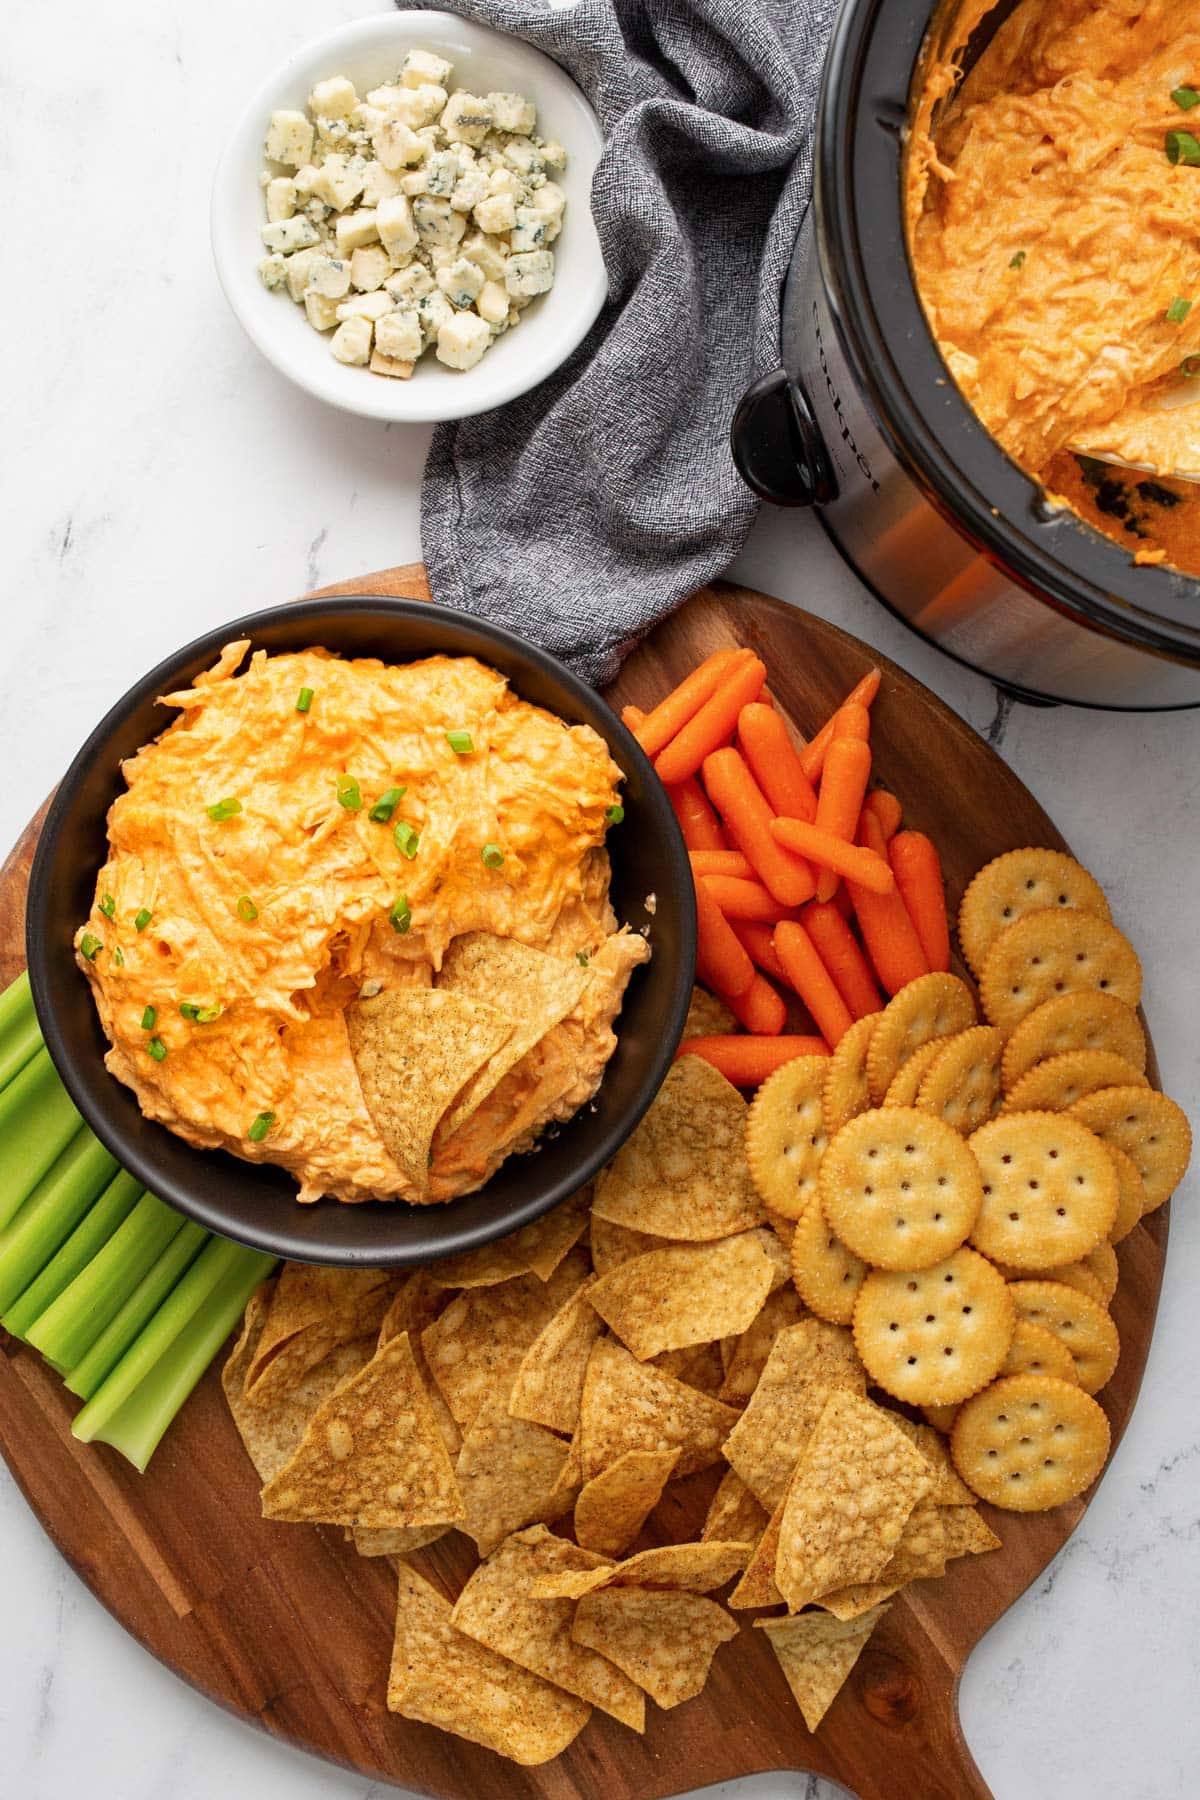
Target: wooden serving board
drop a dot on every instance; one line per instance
(287, 1627)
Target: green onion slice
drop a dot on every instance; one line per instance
(304, 700)
(615, 814)
(157, 1049)
(1185, 98)
(493, 856)
(199, 1015)
(142, 918)
(349, 794)
(89, 943)
(1178, 310)
(582, 958)
(1017, 261)
(224, 809)
(260, 1127)
(406, 837)
(461, 742)
(1183, 147)
(246, 909)
(108, 906)
(118, 956)
(386, 805)
(400, 914)
(150, 1018)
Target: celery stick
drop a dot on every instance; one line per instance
(218, 1266)
(52, 1212)
(19, 1044)
(73, 1322)
(37, 1122)
(16, 1003)
(137, 1425)
(88, 1237)
(148, 1295)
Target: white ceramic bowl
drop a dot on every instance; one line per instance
(370, 52)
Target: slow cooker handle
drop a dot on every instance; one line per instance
(777, 446)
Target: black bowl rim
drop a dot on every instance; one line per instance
(223, 1219)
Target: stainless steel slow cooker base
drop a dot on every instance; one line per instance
(865, 421)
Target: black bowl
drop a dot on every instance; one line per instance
(255, 1203)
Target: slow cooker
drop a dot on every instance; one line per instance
(864, 421)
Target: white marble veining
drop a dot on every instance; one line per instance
(155, 478)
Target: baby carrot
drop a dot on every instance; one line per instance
(747, 816)
(720, 862)
(843, 785)
(760, 1009)
(812, 981)
(721, 962)
(745, 899)
(886, 808)
(715, 721)
(918, 871)
(813, 757)
(774, 763)
(632, 716)
(759, 941)
(698, 822)
(852, 861)
(672, 713)
(852, 720)
(889, 934)
(838, 949)
(747, 1061)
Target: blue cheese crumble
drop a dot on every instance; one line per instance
(416, 217)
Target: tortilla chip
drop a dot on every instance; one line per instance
(949, 1489)
(683, 1173)
(496, 1608)
(439, 1677)
(415, 1307)
(549, 1379)
(613, 1245)
(371, 1454)
(921, 1552)
(698, 1365)
(508, 1471)
(707, 1016)
(614, 1505)
(853, 1602)
(758, 1586)
(572, 1469)
(397, 1543)
(967, 1532)
(536, 1249)
(628, 1406)
(415, 1049)
(752, 1348)
(272, 1431)
(805, 1363)
(734, 1514)
(475, 1347)
(532, 990)
(686, 1568)
(687, 1294)
(309, 1312)
(848, 1500)
(816, 1654)
(663, 1641)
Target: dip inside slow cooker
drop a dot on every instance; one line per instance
(1056, 247)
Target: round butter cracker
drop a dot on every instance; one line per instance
(1131, 1194)
(1029, 1442)
(826, 1274)
(1077, 1321)
(1036, 1351)
(961, 1086)
(1050, 1190)
(900, 1188)
(1087, 1020)
(1057, 1083)
(785, 1135)
(846, 1092)
(1150, 1128)
(1049, 953)
(1019, 882)
(907, 1084)
(935, 1336)
(932, 1006)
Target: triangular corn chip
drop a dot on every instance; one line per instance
(309, 1312)
(752, 1348)
(440, 1677)
(683, 1173)
(536, 1249)
(549, 1381)
(806, 1361)
(967, 1532)
(816, 1653)
(415, 1049)
(695, 1568)
(628, 1406)
(371, 1454)
(685, 1294)
(614, 1244)
(508, 1471)
(397, 1543)
(663, 1641)
(758, 1586)
(734, 1514)
(614, 1505)
(496, 1608)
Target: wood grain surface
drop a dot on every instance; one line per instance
(286, 1626)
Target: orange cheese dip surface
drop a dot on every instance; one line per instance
(265, 923)
(1056, 249)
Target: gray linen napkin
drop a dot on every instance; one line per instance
(589, 508)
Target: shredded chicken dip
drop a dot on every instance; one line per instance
(1054, 224)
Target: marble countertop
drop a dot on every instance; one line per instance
(156, 478)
